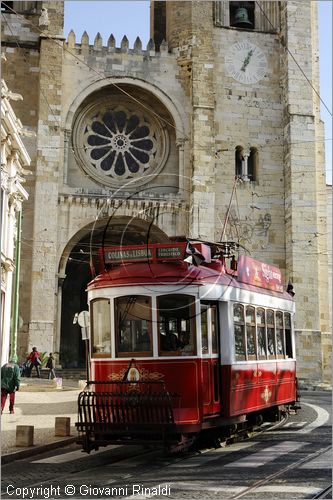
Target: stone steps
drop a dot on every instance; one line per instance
(71, 373)
(65, 379)
(40, 384)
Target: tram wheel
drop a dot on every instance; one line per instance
(183, 445)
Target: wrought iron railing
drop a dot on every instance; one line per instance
(113, 411)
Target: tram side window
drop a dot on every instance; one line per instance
(287, 331)
(176, 321)
(204, 329)
(261, 334)
(239, 332)
(270, 333)
(214, 330)
(133, 326)
(250, 333)
(279, 334)
(209, 320)
(100, 328)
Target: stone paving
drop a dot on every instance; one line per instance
(39, 402)
(38, 405)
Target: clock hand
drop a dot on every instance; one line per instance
(247, 60)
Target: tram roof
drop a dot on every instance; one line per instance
(180, 272)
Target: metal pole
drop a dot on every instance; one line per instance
(16, 291)
(228, 211)
(87, 360)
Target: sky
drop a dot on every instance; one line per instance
(131, 18)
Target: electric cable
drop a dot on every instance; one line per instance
(283, 43)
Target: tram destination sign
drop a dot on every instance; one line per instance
(174, 252)
(152, 252)
(127, 255)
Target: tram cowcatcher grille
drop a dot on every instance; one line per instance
(124, 411)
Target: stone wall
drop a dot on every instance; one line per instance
(279, 217)
(250, 116)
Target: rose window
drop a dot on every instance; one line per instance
(121, 143)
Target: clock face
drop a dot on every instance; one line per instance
(245, 62)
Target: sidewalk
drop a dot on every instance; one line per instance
(38, 408)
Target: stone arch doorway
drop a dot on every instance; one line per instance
(79, 264)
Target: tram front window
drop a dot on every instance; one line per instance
(100, 328)
(176, 320)
(133, 326)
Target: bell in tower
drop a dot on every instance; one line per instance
(242, 14)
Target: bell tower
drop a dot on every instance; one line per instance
(250, 71)
(188, 31)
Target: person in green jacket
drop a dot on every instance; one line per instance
(10, 382)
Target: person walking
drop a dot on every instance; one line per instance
(10, 382)
(34, 358)
(51, 365)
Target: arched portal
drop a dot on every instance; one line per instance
(79, 264)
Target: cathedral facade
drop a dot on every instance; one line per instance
(211, 131)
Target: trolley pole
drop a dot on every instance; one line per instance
(16, 291)
(87, 359)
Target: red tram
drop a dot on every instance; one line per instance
(184, 340)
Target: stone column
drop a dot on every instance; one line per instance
(57, 339)
(182, 181)
(49, 157)
(203, 123)
(245, 170)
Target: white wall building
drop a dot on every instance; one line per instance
(14, 157)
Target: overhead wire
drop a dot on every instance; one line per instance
(100, 74)
(144, 105)
(283, 43)
(136, 100)
(267, 142)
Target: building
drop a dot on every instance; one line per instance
(328, 359)
(211, 131)
(14, 157)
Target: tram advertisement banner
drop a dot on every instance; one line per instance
(254, 272)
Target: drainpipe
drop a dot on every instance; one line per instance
(15, 315)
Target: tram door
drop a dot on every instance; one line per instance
(210, 358)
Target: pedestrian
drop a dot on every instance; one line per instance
(10, 382)
(25, 369)
(51, 365)
(34, 358)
